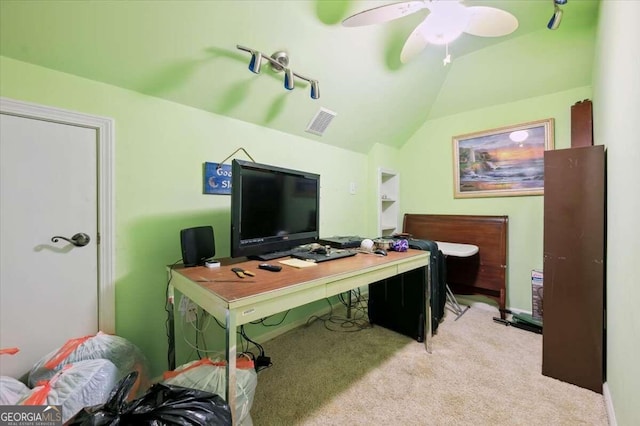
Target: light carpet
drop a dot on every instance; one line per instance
(479, 373)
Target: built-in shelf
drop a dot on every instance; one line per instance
(388, 206)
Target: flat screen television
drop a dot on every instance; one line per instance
(273, 209)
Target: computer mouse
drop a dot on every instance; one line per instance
(380, 252)
(319, 250)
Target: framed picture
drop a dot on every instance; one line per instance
(503, 162)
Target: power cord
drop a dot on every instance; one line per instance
(262, 361)
(169, 323)
(262, 320)
(358, 321)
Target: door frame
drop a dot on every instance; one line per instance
(104, 128)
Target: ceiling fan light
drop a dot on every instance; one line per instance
(445, 23)
(438, 31)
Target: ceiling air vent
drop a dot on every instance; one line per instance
(320, 121)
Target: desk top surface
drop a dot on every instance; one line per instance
(224, 283)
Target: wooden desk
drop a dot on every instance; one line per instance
(236, 303)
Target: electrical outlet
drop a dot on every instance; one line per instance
(192, 312)
(188, 309)
(352, 188)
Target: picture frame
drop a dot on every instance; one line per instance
(502, 162)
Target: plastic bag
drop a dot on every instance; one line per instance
(11, 390)
(123, 354)
(161, 405)
(209, 376)
(75, 387)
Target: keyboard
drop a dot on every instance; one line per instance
(274, 255)
(322, 257)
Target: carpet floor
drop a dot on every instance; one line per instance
(479, 373)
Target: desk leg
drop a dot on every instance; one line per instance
(171, 350)
(427, 316)
(230, 373)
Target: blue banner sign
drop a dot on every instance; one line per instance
(217, 180)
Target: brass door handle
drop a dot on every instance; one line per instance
(79, 240)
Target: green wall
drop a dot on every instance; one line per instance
(617, 125)
(159, 150)
(427, 179)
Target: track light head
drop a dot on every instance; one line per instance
(554, 22)
(289, 84)
(256, 62)
(315, 89)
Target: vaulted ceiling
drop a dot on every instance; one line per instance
(185, 52)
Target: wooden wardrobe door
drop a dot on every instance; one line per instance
(574, 232)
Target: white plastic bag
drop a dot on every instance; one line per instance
(75, 386)
(209, 376)
(11, 390)
(126, 356)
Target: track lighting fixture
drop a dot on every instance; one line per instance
(279, 62)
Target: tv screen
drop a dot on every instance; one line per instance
(272, 208)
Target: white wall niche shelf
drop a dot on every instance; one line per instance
(388, 202)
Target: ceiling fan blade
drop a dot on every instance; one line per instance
(414, 44)
(490, 22)
(385, 13)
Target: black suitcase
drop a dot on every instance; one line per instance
(397, 303)
(438, 274)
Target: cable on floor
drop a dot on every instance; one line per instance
(358, 321)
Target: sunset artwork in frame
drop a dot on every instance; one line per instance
(508, 161)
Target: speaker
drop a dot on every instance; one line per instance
(197, 244)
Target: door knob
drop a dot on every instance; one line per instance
(79, 240)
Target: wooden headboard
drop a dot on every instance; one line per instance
(484, 273)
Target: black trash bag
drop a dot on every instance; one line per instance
(110, 412)
(161, 405)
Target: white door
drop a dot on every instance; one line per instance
(48, 290)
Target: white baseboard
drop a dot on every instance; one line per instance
(608, 403)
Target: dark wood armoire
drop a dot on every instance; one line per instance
(574, 266)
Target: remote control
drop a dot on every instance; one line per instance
(270, 267)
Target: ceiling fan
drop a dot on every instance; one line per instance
(446, 21)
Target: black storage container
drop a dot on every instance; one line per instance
(399, 303)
